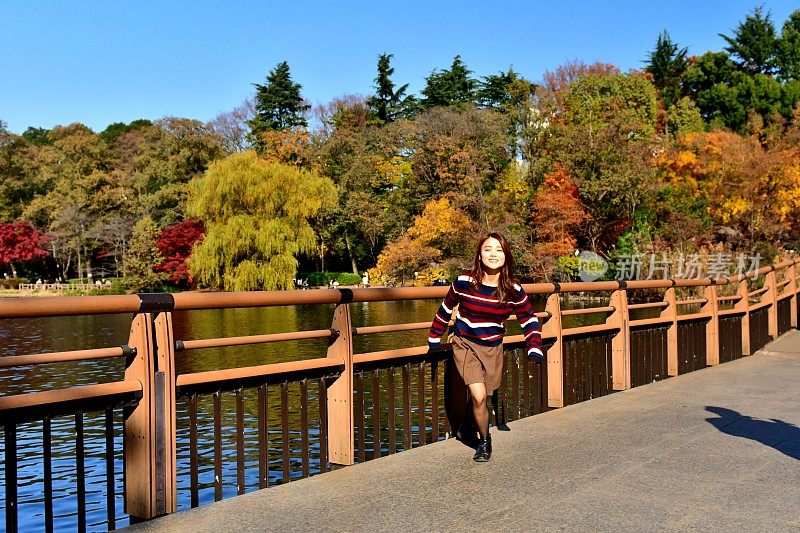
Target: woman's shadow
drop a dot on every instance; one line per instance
(777, 434)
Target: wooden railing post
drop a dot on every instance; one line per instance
(166, 446)
(620, 345)
(671, 312)
(140, 433)
(743, 305)
(711, 309)
(150, 450)
(555, 354)
(772, 296)
(791, 288)
(340, 393)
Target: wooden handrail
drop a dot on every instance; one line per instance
(59, 357)
(648, 305)
(197, 344)
(588, 311)
(218, 377)
(33, 405)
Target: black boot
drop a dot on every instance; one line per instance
(484, 451)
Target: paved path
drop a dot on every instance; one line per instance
(713, 450)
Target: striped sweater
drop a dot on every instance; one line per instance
(481, 318)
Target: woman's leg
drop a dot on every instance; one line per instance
(479, 410)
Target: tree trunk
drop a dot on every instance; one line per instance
(350, 253)
(80, 266)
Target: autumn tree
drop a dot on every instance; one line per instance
(20, 243)
(78, 193)
(142, 257)
(18, 177)
(604, 140)
(175, 247)
(164, 159)
(256, 217)
(442, 233)
(556, 216)
(233, 128)
(753, 191)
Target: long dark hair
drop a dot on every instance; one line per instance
(505, 288)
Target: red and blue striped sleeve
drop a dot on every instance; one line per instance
(531, 328)
(442, 318)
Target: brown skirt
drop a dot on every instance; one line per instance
(477, 363)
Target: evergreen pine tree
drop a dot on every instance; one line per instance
(387, 104)
(753, 43)
(449, 87)
(788, 49)
(667, 64)
(278, 103)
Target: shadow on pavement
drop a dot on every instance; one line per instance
(777, 434)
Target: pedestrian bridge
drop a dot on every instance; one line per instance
(713, 450)
(714, 446)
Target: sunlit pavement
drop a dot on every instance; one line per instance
(713, 450)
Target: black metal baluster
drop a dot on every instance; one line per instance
(193, 469)
(47, 445)
(421, 427)
(323, 425)
(391, 414)
(376, 415)
(285, 431)
(407, 406)
(80, 471)
(360, 422)
(10, 433)
(434, 401)
(239, 441)
(111, 511)
(217, 396)
(263, 438)
(304, 425)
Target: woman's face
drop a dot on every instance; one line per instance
(492, 255)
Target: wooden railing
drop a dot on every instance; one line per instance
(351, 400)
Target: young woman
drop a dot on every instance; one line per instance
(486, 297)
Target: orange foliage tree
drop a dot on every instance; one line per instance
(556, 216)
(442, 233)
(754, 191)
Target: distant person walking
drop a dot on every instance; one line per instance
(486, 296)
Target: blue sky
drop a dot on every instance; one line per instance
(99, 62)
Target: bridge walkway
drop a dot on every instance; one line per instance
(713, 450)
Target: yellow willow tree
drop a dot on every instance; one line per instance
(256, 214)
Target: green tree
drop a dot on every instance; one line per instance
(279, 104)
(142, 256)
(753, 43)
(684, 117)
(256, 216)
(787, 55)
(387, 104)
(36, 136)
(666, 64)
(114, 130)
(449, 87)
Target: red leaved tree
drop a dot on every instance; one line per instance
(175, 246)
(20, 243)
